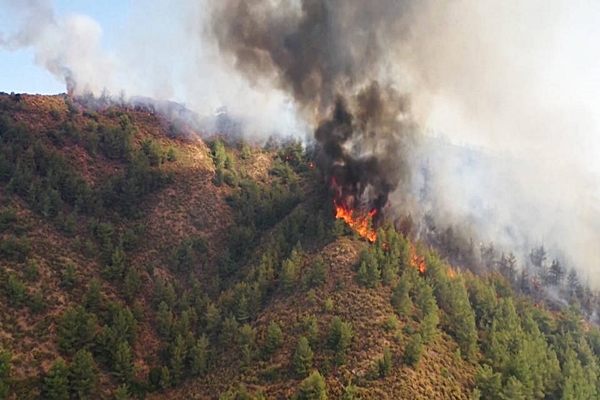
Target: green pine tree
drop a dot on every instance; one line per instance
(122, 392)
(274, 339)
(178, 357)
(289, 274)
(385, 364)
(340, 335)
(414, 350)
(69, 278)
(15, 290)
(401, 299)
(303, 358)
(76, 330)
(164, 320)
(123, 368)
(165, 378)
(117, 265)
(56, 382)
(312, 388)
(83, 374)
(92, 299)
(428, 328)
(318, 272)
(513, 390)
(199, 355)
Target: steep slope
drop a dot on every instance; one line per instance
(137, 260)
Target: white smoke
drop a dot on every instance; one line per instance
(68, 47)
(517, 81)
(162, 54)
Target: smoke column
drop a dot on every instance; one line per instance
(505, 96)
(67, 47)
(330, 56)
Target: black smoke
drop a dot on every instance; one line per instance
(330, 57)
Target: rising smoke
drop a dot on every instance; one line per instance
(331, 56)
(69, 48)
(505, 96)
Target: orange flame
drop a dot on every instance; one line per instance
(359, 223)
(416, 261)
(451, 273)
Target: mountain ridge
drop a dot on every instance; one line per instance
(142, 259)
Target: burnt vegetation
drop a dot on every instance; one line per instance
(136, 265)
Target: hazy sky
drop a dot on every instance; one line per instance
(517, 77)
(18, 70)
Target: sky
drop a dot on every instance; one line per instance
(516, 77)
(18, 71)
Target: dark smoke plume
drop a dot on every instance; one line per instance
(330, 55)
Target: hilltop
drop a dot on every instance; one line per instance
(139, 258)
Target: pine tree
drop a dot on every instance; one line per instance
(573, 284)
(318, 272)
(56, 383)
(428, 327)
(274, 339)
(384, 364)
(401, 299)
(312, 388)
(289, 274)
(247, 334)
(414, 350)
(15, 290)
(425, 301)
(488, 382)
(241, 314)
(92, 299)
(312, 329)
(123, 367)
(369, 272)
(508, 267)
(165, 378)
(76, 330)
(199, 355)
(303, 358)
(83, 374)
(117, 265)
(131, 284)
(125, 325)
(339, 338)
(122, 392)
(461, 318)
(69, 278)
(229, 332)
(578, 382)
(556, 273)
(212, 317)
(164, 320)
(178, 357)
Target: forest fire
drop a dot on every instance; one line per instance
(360, 223)
(417, 261)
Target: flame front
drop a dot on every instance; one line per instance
(416, 261)
(359, 223)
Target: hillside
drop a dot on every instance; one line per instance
(139, 259)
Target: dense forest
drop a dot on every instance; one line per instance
(140, 261)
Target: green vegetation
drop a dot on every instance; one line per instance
(136, 265)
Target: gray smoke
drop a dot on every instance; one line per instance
(515, 83)
(331, 56)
